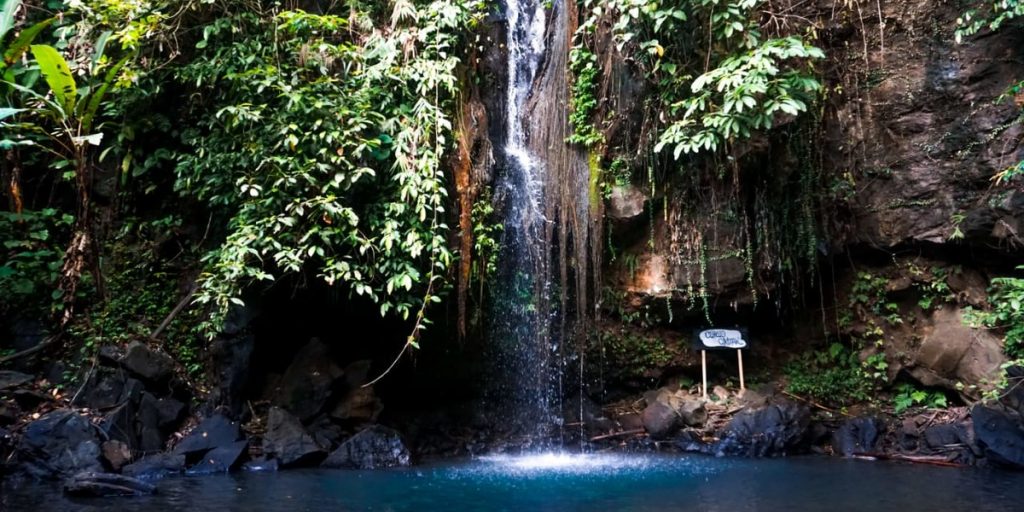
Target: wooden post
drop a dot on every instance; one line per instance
(739, 359)
(704, 373)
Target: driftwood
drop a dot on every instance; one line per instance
(31, 350)
(815, 404)
(916, 459)
(618, 434)
(185, 301)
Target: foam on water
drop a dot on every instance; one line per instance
(568, 463)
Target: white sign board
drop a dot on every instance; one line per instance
(722, 338)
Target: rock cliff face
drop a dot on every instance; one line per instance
(919, 130)
(896, 185)
(912, 130)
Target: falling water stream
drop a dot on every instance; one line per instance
(546, 258)
(523, 316)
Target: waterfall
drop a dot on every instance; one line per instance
(543, 193)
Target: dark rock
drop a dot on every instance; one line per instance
(100, 485)
(288, 441)
(999, 435)
(372, 448)
(116, 453)
(309, 381)
(230, 359)
(358, 405)
(938, 437)
(857, 435)
(29, 399)
(238, 318)
(107, 389)
(59, 444)
(156, 466)
(357, 373)
(56, 374)
(148, 424)
(692, 413)
(170, 412)
(260, 465)
(119, 424)
(215, 431)
(660, 419)
(325, 432)
(11, 380)
(8, 412)
(26, 333)
(778, 429)
(756, 398)
(147, 363)
(110, 355)
(909, 435)
(220, 459)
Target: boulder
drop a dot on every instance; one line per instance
(720, 394)
(944, 437)
(660, 419)
(116, 453)
(119, 424)
(10, 380)
(857, 435)
(309, 382)
(668, 410)
(156, 466)
(214, 432)
(59, 444)
(148, 364)
(358, 405)
(110, 355)
(29, 399)
(1000, 435)
(952, 352)
(107, 389)
(773, 430)
(288, 441)
(372, 448)
(147, 424)
(101, 485)
(692, 413)
(220, 459)
(169, 412)
(326, 432)
(230, 360)
(9, 412)
(626, 202)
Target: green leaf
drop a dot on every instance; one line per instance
(7, 10)
(96, 99)
(6, 112)
(57, 74)
(21, 44)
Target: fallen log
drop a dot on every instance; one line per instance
(931, 460)
(618, 434)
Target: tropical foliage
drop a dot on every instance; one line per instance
(731, 83)
(316, 139)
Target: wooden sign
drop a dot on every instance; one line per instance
(719, 339)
